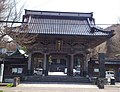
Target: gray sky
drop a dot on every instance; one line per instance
(104, 11)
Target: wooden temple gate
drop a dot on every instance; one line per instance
(62, 41)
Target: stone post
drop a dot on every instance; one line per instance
(101, 58)
(101, 79)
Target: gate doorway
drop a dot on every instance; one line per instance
(57, 65)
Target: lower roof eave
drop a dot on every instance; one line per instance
(90, 35)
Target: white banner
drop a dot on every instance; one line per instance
(1, 72)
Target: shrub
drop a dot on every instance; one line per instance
(1, 91)
(10, 85)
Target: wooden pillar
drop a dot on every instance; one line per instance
(45, 71)
(84, 68)
(86, 65)
(70, 65)
(30, 64)
(101, 57)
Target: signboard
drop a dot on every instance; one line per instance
(1, 72)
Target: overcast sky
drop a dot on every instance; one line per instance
(104, 11)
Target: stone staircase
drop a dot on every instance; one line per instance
(55, 78)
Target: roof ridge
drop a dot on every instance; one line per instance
(58, 13)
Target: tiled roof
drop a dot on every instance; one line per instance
(62, 23)
(61, 26)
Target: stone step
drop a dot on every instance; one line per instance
(55, 79)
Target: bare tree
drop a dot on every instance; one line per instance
(8, 15)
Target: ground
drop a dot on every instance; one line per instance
(60, 87)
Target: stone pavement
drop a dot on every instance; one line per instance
(57, 85)
(60, 87)
(117, 85)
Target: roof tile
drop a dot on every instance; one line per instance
(61, 26)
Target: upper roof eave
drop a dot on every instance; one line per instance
(58, 13)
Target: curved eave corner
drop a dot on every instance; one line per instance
(109, 34)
